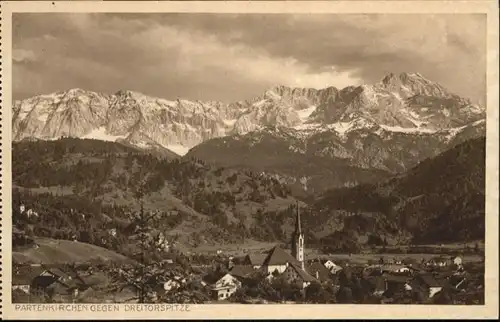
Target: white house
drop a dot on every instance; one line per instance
(172, 284)
(394, 268)
(226, 286)
(31, 213)
(112, 232)
(458, 261)
(332, 267)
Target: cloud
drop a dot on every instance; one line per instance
(23, 55)
(230, 57)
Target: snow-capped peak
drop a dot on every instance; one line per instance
(404, 102)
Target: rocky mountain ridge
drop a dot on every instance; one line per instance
(398, 103)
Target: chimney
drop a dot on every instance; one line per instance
(317, 275)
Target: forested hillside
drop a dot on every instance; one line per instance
(440, 200)
(86, 187)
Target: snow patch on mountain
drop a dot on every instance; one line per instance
(100, 133)
(406, 129)
(178, 149)
(305, 113)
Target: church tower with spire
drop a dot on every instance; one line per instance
(298, 239)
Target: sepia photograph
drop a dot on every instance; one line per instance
(248, 158)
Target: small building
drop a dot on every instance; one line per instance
(112, 232)
(432, 285)
(20, 238)
(226, 286)
(396, 283)
(377, 285)
(295, 274)
(19, 296)
(36, 280)
(459, 282)
(332, 267)
(171, 284)
(458, 260)
(277, 260)
(21, 283)
(395, 268)
(320, 272)
(439, 262)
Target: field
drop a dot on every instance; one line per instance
(365, 258)
(252, 246)
(52, 251)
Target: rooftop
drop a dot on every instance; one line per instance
(241, 270)
(277, 256)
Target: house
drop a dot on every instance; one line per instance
(242, 271)
(394, 268)
(37, 281)
(171, 284)
(22, 282)
(22, 208)
(19, 296)
(377, 285)
(320, 272)
(86, 296)
(112, 232)
(432, 285)
(396, 283)
(31, 213)
(332, 267)
(459, 282)
(295, 274)
(226, 286)
(20, 238)
(277, 260)
(255, 260)
(60, 291)
(161, 241)
(438, 262)
(458, 261)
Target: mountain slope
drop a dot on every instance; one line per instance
(440, 200)
(196, 203)
(367, 153)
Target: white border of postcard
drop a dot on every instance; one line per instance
(169, 311)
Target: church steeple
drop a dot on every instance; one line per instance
(298, 239)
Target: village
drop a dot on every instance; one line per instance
(276, 275)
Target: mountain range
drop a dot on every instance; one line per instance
(403, 158)
(310, 139)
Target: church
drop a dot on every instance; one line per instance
(278, 261)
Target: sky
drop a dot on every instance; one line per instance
(232, 57)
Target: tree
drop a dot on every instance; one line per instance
(146, 274)
(344, 295)
(317, 293)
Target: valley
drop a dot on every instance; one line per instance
(386, 171)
